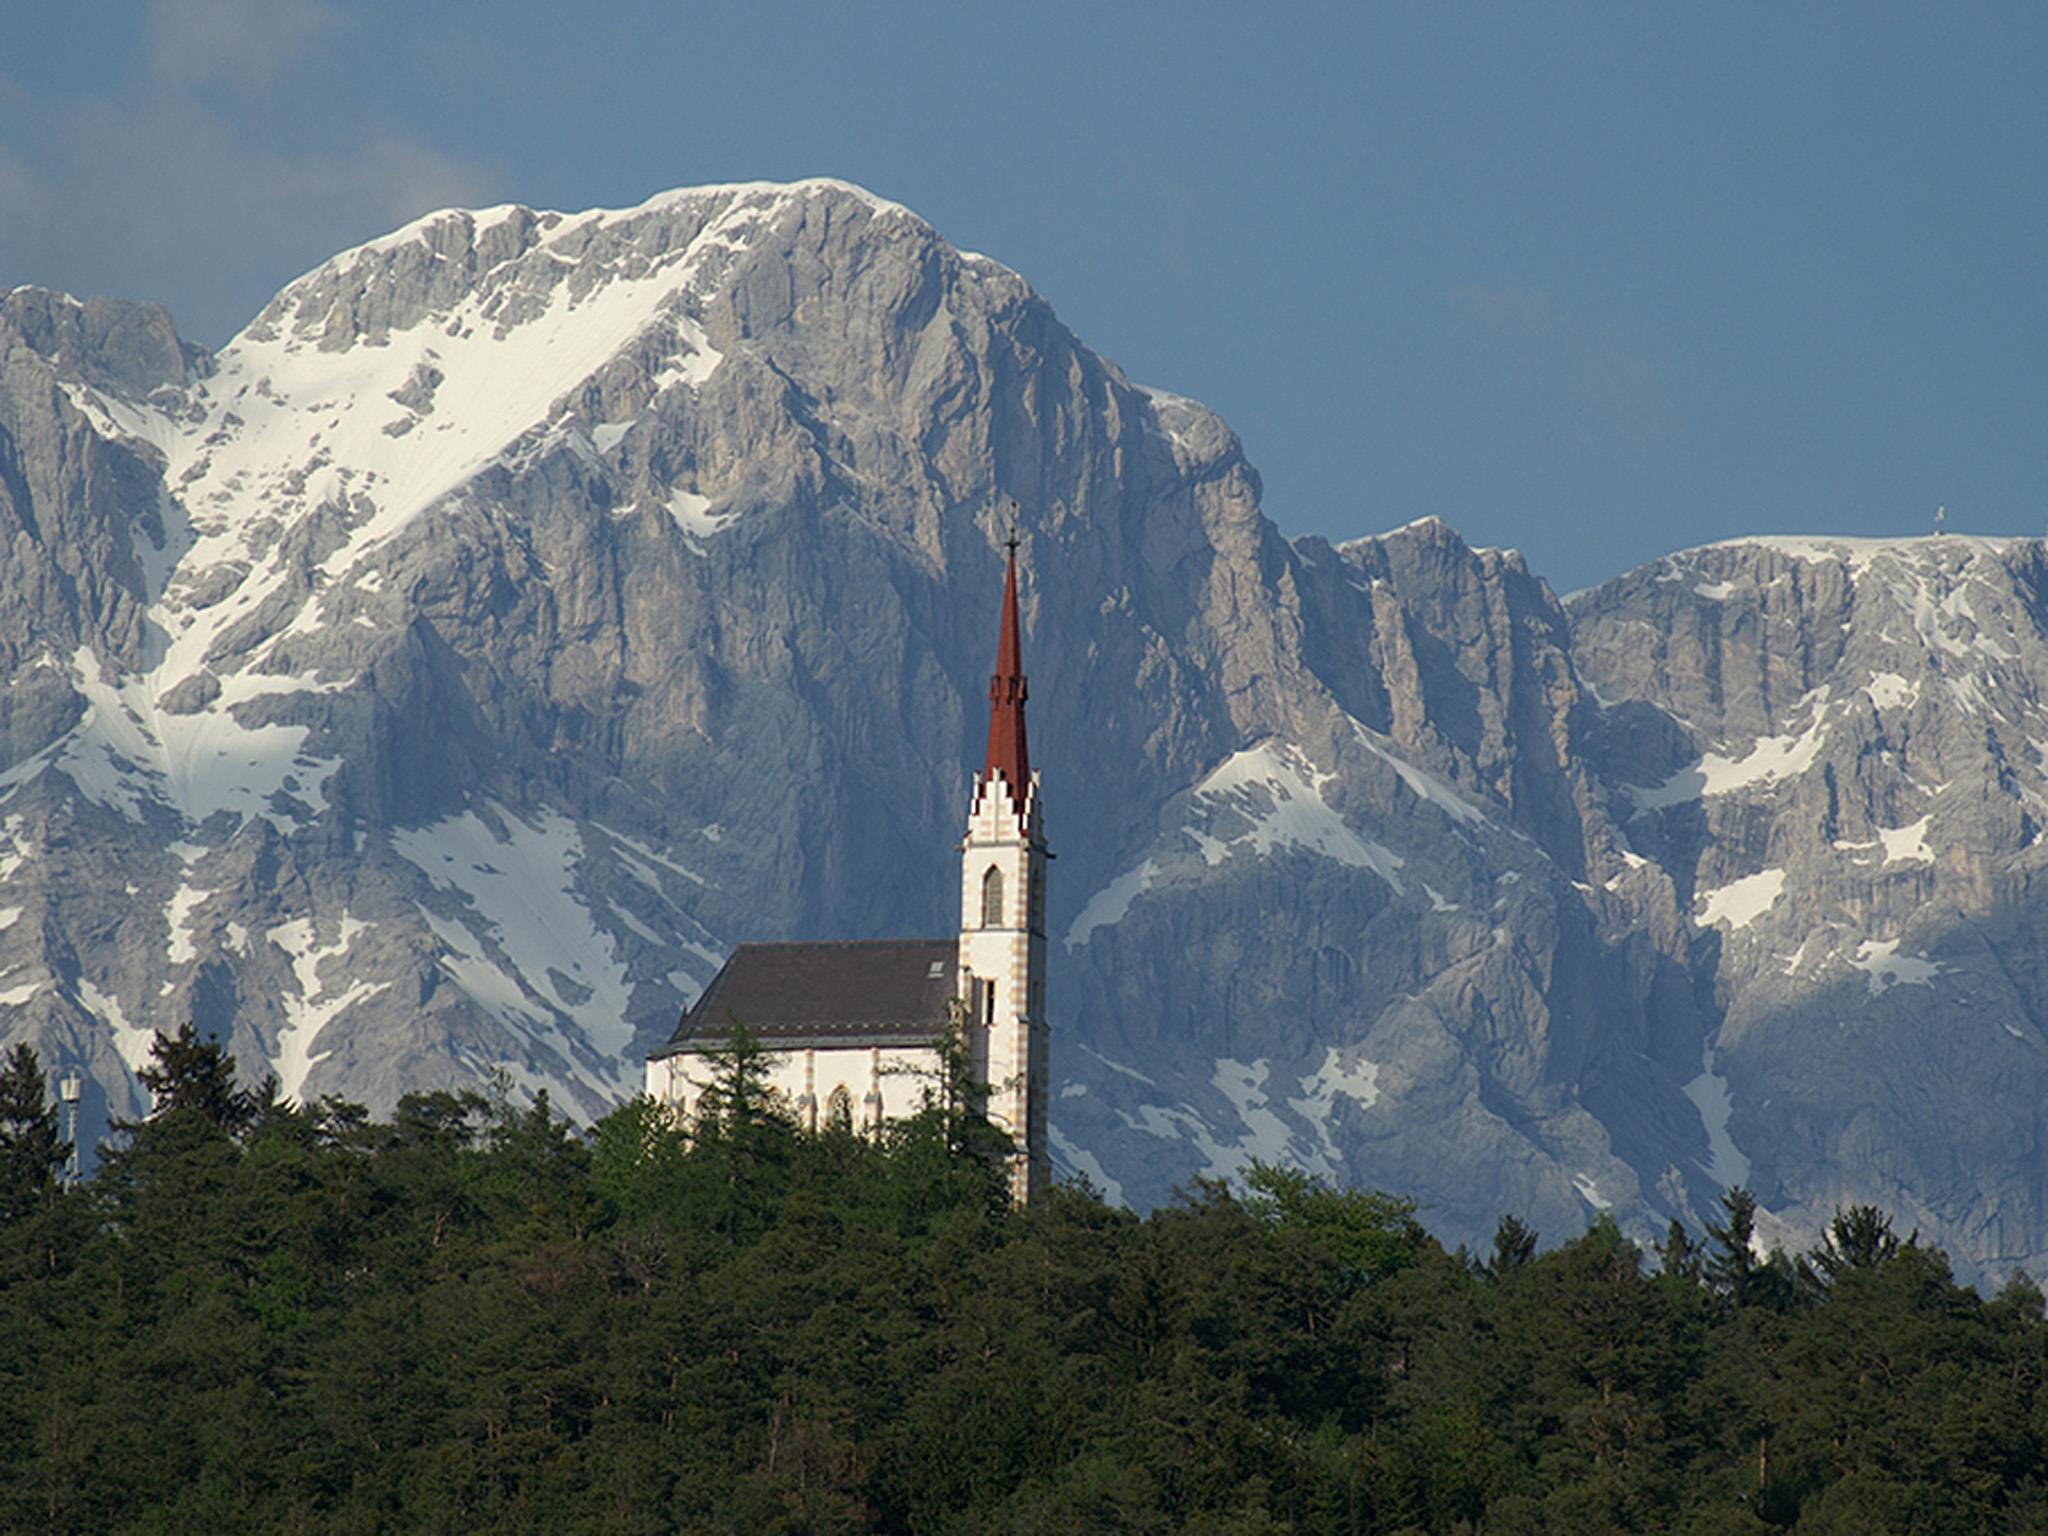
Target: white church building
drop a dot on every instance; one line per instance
(853, 1029)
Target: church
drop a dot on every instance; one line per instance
(853, 1028)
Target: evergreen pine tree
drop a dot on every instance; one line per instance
(189, 1073)
(1732, 1265)
(1859, 1237)
(32, 1146)
(1678, 1255)
(949, 1155)
(742, 1139)
(1732, 1262)
(739, 1095)
(1514, 1245)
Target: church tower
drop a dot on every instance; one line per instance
(1002, 917)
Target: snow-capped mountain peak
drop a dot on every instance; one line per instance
(430, 687)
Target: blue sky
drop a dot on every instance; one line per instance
(1593, 281)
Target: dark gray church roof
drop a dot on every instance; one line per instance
(790, 996)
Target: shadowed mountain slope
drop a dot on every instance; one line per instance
(433, 685)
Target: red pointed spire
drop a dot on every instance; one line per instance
(1008, 751)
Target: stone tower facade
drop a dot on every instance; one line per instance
(1002, 917)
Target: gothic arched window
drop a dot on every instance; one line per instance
(992, 898)
(839, 1109)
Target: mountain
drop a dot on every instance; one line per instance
(1838, 750)
(429, 687)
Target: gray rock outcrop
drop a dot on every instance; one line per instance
(431, 686)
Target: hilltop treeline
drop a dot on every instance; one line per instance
(259, 1318)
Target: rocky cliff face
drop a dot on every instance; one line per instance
(432, 685)
(1836, 749)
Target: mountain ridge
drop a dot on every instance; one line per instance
(525, 607)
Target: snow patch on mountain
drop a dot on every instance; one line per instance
(519, 881)
(642, 862)
(1881, 961)
(1726, 1164)
(178, 946)
(1425, 785)
(22, 992)
(316, 1004)
(132, 1043)
(116, 419)
(1075, 1158)
(1264, 1136)
(1271, 796)
(1741, 902)
(315, 425)
(488, 984)
(692, 513)
(128, 754)
(1108, 906)
(1859, 553)
(1901, 845)
(1267, 1137)
(1768, 760)
(1334, 1080)
(1889, 691)
(1266, 798)
(298, 421)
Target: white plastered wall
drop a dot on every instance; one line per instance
(893, 1079)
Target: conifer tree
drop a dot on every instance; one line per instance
(742, 1138)
(187, 1072)
(32, 1146)
(1732, 1264)
(964, 1096)
(949, 1155)
(537, 1165)
(739, 1095)
(1859, 1237)
(1514, 1245)
(1732, 1259)
(638, 1156)
(1678, 1255)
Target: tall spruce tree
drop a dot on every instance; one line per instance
(1678, 1255)
(32, 1144)
(1859, 1238)
(1733, 1265)
(1514, 1245)
(742, 1140)
(187, 1072)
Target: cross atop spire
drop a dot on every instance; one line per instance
(1008, 750)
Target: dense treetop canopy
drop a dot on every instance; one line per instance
(256, 1317)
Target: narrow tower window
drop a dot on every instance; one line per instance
(992, 898)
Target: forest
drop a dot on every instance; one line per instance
(254, 1316)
